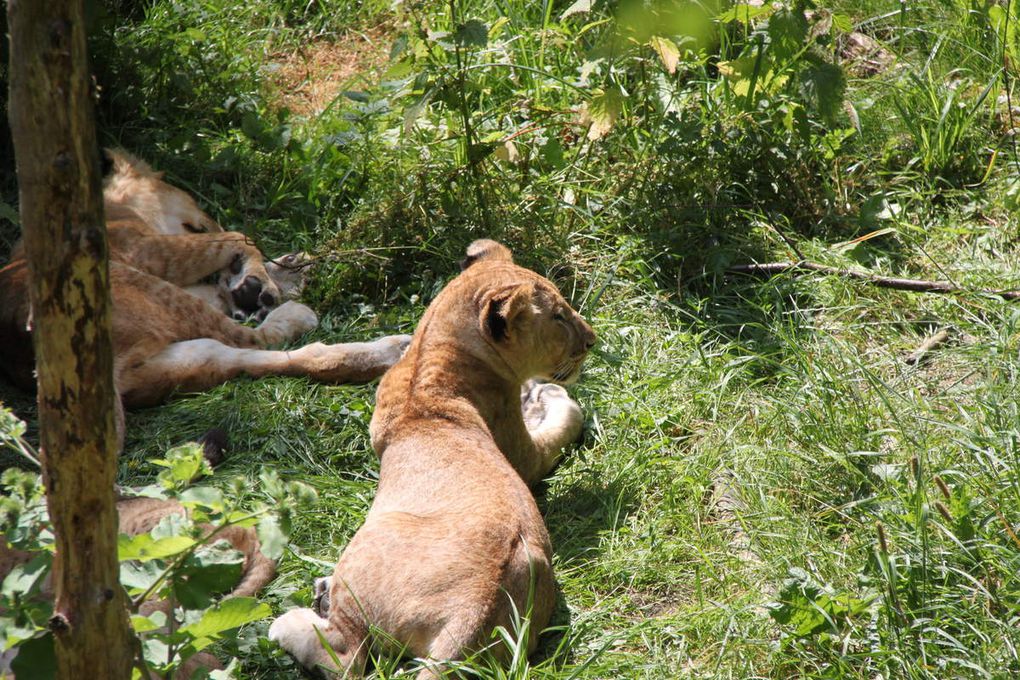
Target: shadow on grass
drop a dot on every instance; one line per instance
(578, 517)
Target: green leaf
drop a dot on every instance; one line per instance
(229, 673)
(787, 31)
(552, 153)
(138, 577)
(398, 70)
(209, 571)
(27, 578)
(9, 213)
(146, 624)
(845, 24)
(194, 34)
(745, 13)
(823, 85)
(811, 608)
(185, 463)
(472, 32)
(667, 50)
(174, 524)
(356, 95)
(271, 537)
(155, 651)
(251, 126)
(144, 547)
(603, 110)
(36, 659)
(228, 615)
(204, 496)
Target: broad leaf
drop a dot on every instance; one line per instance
(138, 577)
(667, 50)
(602, 111)
(205, 496)
(146, 624)
(812, 608)
(25, 578)
(144, 547)
(472, 32)
(787, 30)
(36, 659)
(271, 537)
(228, 615)
(745, 13)
(209, 571)
(823, 85)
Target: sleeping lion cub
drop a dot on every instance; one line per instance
(175, 275)
(454, 542)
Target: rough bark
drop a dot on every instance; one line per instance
(51, 116)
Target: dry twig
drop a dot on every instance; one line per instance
(933, 341)
(915, 285)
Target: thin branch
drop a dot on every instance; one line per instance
(915, 285)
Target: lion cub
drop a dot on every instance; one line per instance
(454, 541)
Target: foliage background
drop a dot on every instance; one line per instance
(765, 488)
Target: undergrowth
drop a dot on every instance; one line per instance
(633, 152)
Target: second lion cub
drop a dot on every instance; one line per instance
(454, 541)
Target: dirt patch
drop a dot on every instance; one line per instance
(308, 79)
(863, 56)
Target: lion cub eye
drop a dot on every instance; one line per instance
(193, 229)
(559, 317)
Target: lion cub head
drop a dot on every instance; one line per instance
(132, 189)
(523, 317)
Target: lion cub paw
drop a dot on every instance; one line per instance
(391, 348)
(549, 410)
(287, 322)
(295, 632)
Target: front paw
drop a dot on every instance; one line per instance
(287, 322)
(548, 408)
(295, 631)
(532, 407)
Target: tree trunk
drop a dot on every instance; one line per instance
(51, 116)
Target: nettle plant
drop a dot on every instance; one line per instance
(180, 562)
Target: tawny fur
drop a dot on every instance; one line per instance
(454, 534)
(167, 339)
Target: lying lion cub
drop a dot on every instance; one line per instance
(454, 542)
(167, 336)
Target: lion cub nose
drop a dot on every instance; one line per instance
(267, 299)
(588, 337)
(246, 295)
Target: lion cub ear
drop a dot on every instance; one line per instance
(486, 249)
(503, 310)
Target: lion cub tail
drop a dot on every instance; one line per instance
(140, 514)
(258, 569)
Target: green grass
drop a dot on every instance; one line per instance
(794, 390)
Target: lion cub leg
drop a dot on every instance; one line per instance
(553, 420)
(197, 365)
